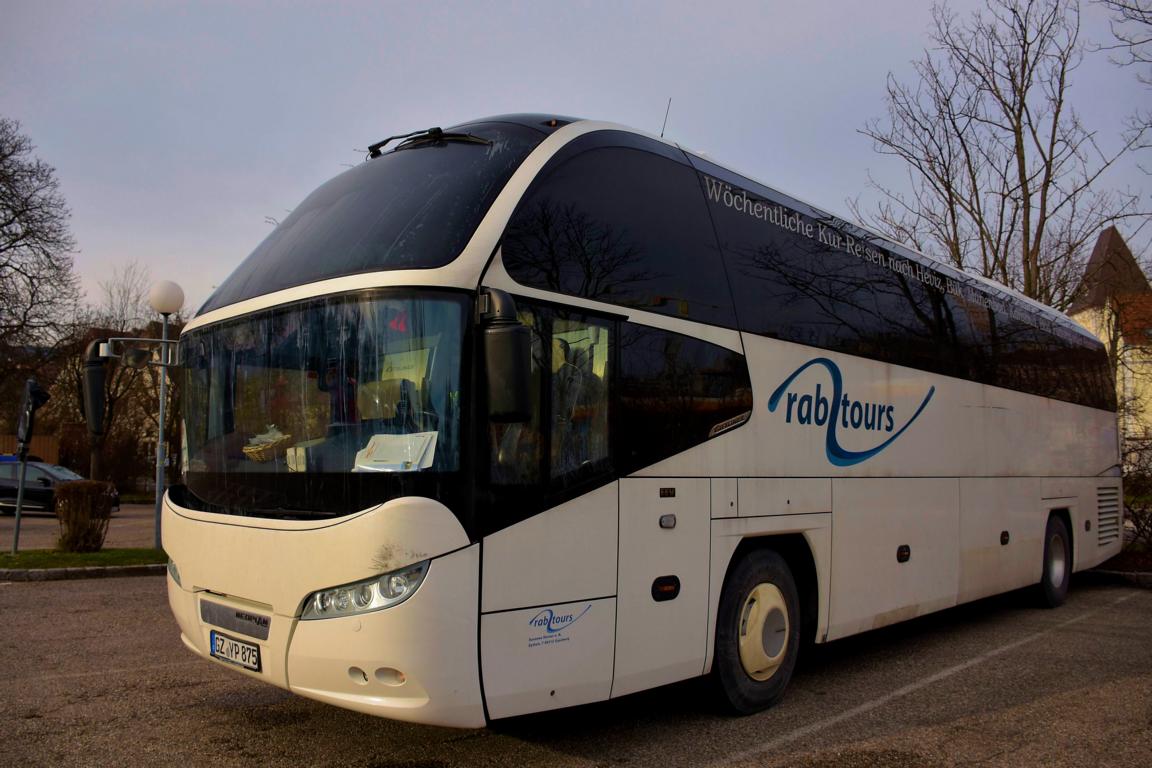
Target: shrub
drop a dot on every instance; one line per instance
(1138, 511)
(83, 508)
(1138, 493)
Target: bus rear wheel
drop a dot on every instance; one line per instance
(1057, 563)
(757, 633)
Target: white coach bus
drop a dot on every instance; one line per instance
(534, 412)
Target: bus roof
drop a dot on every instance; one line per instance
(463, 268)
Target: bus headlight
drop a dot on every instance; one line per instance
(377, 593)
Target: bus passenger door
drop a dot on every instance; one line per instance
(548, 593)
(548, 613)
(662, 595)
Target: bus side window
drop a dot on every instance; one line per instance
(674, 392)
(566, 440)
(515, 448)
(624, 226)
(580, 362)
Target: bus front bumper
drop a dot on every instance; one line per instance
(416, 661)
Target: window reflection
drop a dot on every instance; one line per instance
(516, 450)
(570, 378)
(609, 398)
(579, 395)
(811, 290)
(620, 225)
(414, 207)
(675, 392)
(367, 385)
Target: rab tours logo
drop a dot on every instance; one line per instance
(839, 411)
(547, 626)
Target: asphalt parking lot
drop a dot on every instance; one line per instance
(93, 673)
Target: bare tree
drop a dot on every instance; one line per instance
(1138, 492)
(125, 298)
(39, 291)
(566, 249)
(1003, 175)
(122, 313)
(1132, 28)
(124, 452)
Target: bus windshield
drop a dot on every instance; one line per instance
(414, 207)
(324, 407)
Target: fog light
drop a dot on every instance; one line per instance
(390, 677)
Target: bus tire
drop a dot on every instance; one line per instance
(1057, 563)
(757, 633)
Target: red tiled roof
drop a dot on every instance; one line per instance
(1111, 271)
(1134, 315)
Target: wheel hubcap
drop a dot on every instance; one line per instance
(763, 631)
(1056, 561)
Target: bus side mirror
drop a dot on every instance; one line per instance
(507, 359)
(95, 367)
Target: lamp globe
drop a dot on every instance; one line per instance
(166, 297)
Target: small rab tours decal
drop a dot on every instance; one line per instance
(838, 411)
(548, 627)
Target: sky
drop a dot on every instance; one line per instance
(179, 130)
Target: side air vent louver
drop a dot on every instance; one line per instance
(1107, 515)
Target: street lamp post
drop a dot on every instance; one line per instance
(166, 298)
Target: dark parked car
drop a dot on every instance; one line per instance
(39, 486)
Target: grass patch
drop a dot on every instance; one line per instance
(50, 558)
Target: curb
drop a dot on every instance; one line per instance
(89, 572)
(1138, 578)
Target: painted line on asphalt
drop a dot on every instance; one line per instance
(943, 674)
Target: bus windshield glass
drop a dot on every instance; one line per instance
(324, 407)
(414, 207)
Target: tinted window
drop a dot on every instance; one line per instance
(610, 398)
(564, 448)
(414, 207)
(804, 279)
(1015, 347)
(800, 275)
(567, 436)
(675, 392)
(516, 450)
(581, 363)
(620, 225)
(326, 407)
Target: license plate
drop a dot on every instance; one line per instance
(235, 651)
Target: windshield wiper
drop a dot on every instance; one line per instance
(428, 134)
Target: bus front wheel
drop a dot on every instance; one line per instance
(757, 633)
(1057, 563)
